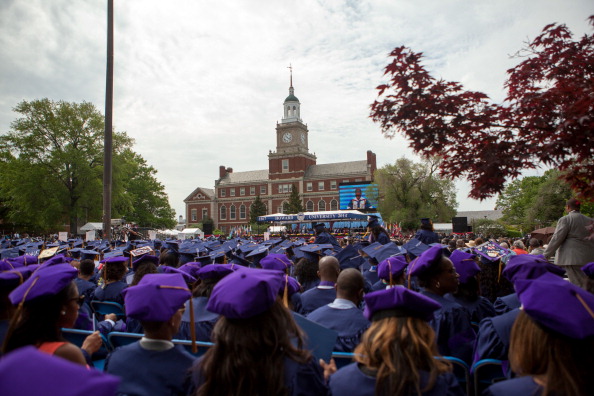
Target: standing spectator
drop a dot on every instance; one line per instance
(426, 233)
(570, 242)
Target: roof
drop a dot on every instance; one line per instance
(92, 226)
(245, 177)
(291, 98)
(338, 168)
(481, 214)
(209, 192)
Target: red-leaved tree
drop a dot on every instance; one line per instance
(546, 118)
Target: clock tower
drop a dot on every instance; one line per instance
(292, 156)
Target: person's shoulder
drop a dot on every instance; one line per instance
(517, 386)
(70, 352)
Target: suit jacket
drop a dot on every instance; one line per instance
(569, 241)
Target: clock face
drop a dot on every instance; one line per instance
(287, 137)
(303, 138)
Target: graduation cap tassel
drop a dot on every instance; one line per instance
(286, 292)
(585, 305)
(390, 269)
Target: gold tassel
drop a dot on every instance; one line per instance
(193, 327)
(286, 292)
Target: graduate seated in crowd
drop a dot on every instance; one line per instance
(377, 233)
(257, 344)
(46, 302)
(153, 365)
(390, 273)
(468, 293)
(86, 271)
(204, 321)
(493, 338)
(588, 269)
(437, 276)
(398, 354)
(325, 292)
(343, 314)
(552, 340)
(114, 271)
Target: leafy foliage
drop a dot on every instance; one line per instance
(489, 228)
(534, 201)
(51, 170)
(548, 117)
(409, 191)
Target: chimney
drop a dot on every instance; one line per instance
(229, 170)
(371, 162)
(222, 171)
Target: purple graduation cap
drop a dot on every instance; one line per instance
(245, 293)
(44, 282)
(14, 277)
(116, 260)
(465, 265)
(187, 277)
(58, 259)
(426, 260)
(398, 302)
(291, 284)
(529, 266)
(557, 305)
(492, 251)
(391, 268)
(23, 260)
(218, 271)
(275, 261)
(588, 269)
(191, 268)
(146, 257)
(27, 371)
(156, 298)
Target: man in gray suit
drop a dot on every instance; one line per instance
(570, 242)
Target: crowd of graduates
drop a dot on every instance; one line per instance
(398, 307)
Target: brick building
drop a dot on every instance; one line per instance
(228, 204)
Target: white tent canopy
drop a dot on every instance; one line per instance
(92, 227)
(191, 232)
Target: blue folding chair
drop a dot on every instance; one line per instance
(201, 345)
(117, 338)
(486, 372)
(77, 337)
(461, 371)
(343, 358)
(108, 307)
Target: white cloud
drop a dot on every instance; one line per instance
(200, 84)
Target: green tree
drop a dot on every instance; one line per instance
(51, 167)
(534, 201)
(257, 209)
(295, 204)
(409, 191)
(489, 228)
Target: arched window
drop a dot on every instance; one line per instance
(309, 206)
(334, 205)
(232, 212)
(321, 205)
(242, 212)
(223, 214)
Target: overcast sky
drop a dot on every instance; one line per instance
(200, 84)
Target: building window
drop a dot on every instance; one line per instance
(280, 188)
(242, 212)
(204, 213)
(262, 190)
(321, 186)
(252, 190)
(242, 191)
(309, 186)
(231, 192)
(280, 209)
(334, 205)
(265, 209)
(194, 214)
(309, 206)
(232, 212)
(358, 180)
(285, 208)
(345, 181)
(285, 188)
(321, 206)
(223, 214)
(223, 192)
(285, 165)
(333, 185)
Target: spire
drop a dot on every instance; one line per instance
(292, 111)
(291, 75)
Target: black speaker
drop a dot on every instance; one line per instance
(459, 224)
(207, 229)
